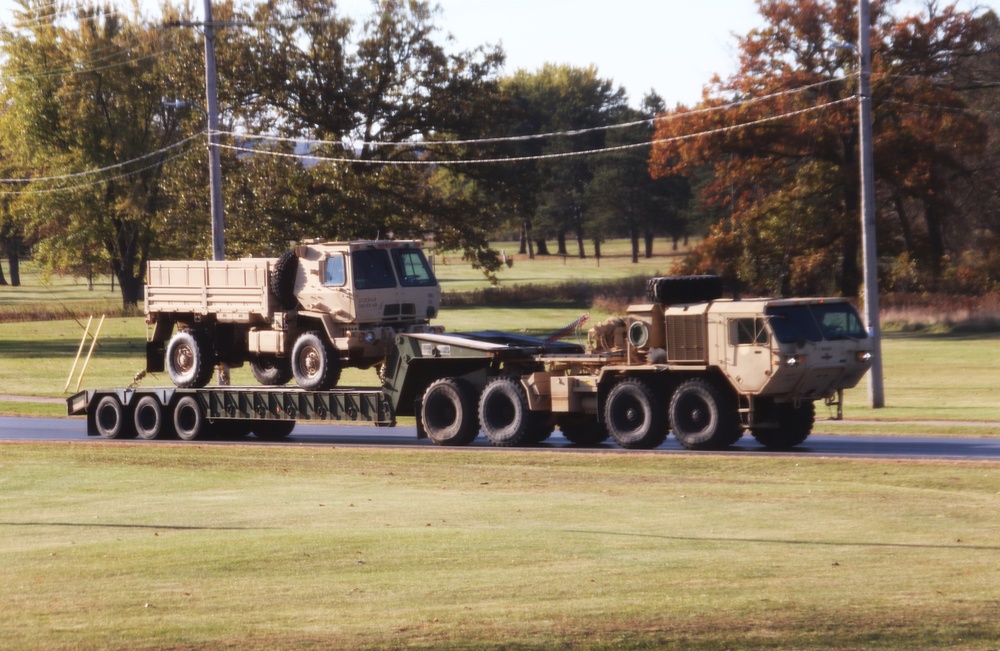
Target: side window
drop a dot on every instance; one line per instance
(372, 269)
(333, 271)
(412, 268)
(748, 332)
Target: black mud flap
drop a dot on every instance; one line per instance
(155, 357)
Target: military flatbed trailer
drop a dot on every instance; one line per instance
(222, 411)
(707, 372)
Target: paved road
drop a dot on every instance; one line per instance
(900, 447)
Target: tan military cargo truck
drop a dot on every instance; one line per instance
(305, 315)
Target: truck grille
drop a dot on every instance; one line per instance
(400, 311)
(686, 339)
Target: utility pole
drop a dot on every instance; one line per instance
(214, 161)
(876, 392)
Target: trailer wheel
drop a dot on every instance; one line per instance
(282, 281)
(271, 370)
(314, 363)
(582, 429)
(633, 417)
(272, 430)
(110, 419)
(189, 420)
(704, 417)
(190, 360)
(448, 412)
(504, 414)
(795, 426)
(148, 418)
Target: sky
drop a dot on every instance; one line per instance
(672, 46)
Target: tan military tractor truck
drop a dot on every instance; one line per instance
(705, 367)
(305, 315)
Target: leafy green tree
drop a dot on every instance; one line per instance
(560, 98)
(86, 94)
(363, 89)
(622, 197)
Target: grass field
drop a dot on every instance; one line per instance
(187, 547)
(114, 545)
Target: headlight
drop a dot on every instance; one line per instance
(863, 356)
(795, 360)
(369, 337)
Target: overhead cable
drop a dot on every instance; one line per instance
(537, 136)
(519, 159)
(98, 181)
(75, 175)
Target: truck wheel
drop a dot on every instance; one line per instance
(314, 364)
(232, 429)
(189, 420)
(271, 370)
(633, 417)
(272, 430)
(148, 418)
(704, 417)
(448, 412)
(190, 361)
(795, 426)
(582, 429)
(541, 429)
(110, 419)
(282, 281)
(504, 414)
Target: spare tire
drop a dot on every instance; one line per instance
(283, 280)
(678, 290)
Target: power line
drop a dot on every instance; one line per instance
(537, 136)
(75, 175)
(519, 159)
(98, 181)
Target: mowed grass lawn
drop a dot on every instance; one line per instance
(115, 545)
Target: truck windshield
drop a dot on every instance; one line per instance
(372, 269)
(830, 321)
(412, 268)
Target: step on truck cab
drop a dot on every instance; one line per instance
(304, 315)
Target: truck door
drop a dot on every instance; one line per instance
(749, 353)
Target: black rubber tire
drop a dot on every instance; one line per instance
(314, 363)
(582, 429)
(149, 419)
(677, 290)
(282, 280)
(795, 426)
(504, 415)
(272, 430)
(189, 419)
(190, 360)
(448, 412)
(270, 370)
(541, 429)
(111, 420)
(633, 417)
(704, 416)
(232, 429)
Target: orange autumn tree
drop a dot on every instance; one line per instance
(777, 163)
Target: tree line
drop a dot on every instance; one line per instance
(347, 128)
